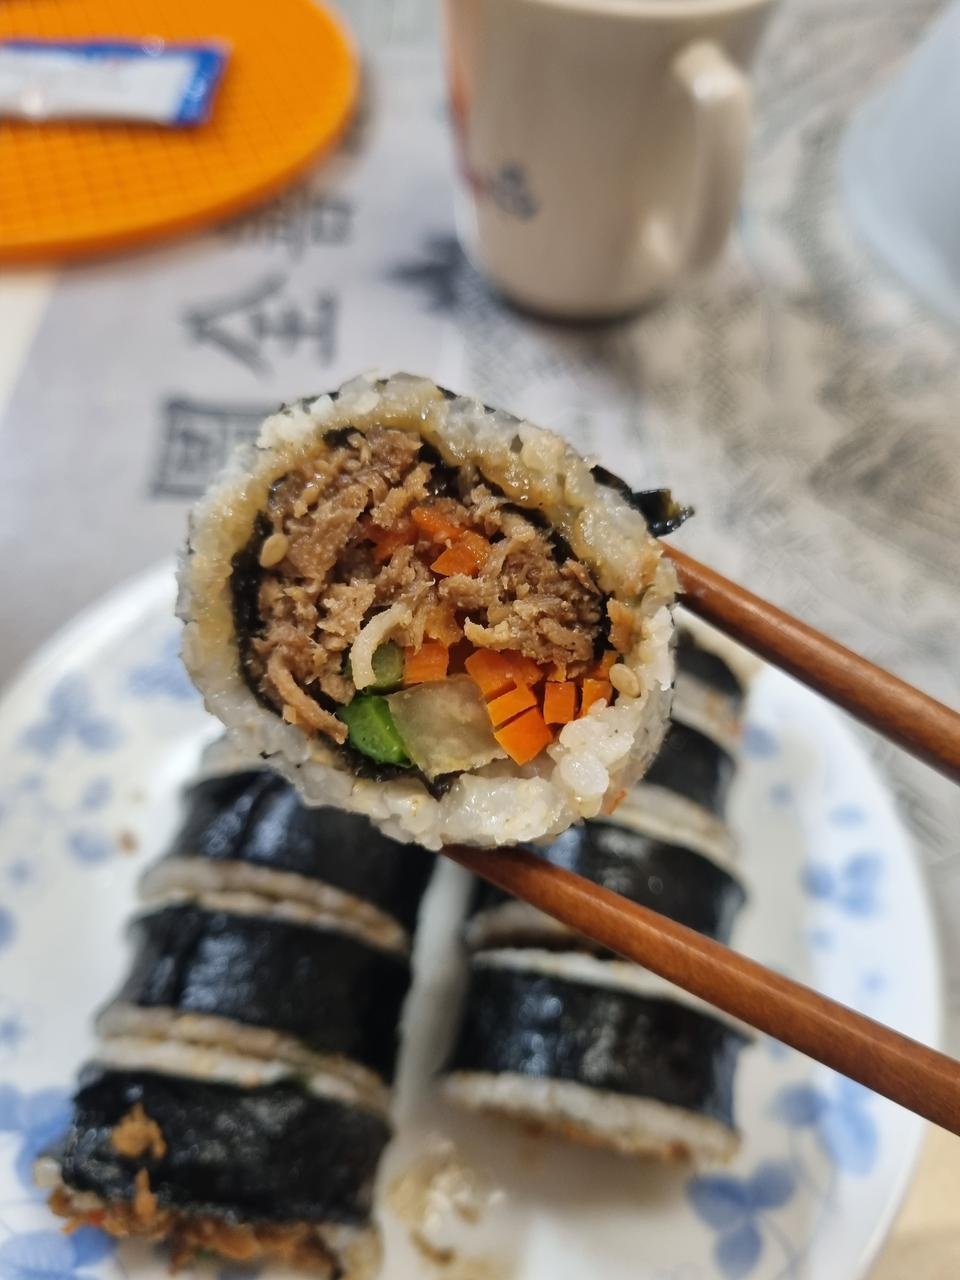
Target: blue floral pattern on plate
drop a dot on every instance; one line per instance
(853, 888)
(163, 675)
(70, 716)
(33, 1120)
(739, 1210)
(839, 1118)
(51, 1255)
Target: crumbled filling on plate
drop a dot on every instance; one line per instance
(295, 1244)
(137, 1134)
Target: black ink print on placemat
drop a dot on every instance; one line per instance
(261, 321)
(196, 439)
(297, 222)
(436, 273)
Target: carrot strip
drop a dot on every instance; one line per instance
(435, 525)
(559, 701)
(525, 737)
(496, 670)
(491, 671)
(387, 541)
(479, 546)
(456, 559)
(525, 670)
(510, 704)
(593, 691)
(429, 662)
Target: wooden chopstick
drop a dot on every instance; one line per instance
(918, 723)
(910, 1073)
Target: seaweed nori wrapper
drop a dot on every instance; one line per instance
(334, 993)
(677, 881)
(275, 1153)
(543, 1026)
(694, 766)
(257, 817)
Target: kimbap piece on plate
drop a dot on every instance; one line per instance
(319, 997)
(680, 882)
(683, 797)
(265, 1171)
(710, 691)
(432, 613)
(596, 1051)
(248, 831)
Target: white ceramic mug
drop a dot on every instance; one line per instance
(602, 142)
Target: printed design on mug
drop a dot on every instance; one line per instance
(507, 187)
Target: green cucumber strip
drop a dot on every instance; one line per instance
(371, 729)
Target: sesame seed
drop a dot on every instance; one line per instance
(624, 680)
(273, 550)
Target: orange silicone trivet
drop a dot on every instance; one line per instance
(72, 189)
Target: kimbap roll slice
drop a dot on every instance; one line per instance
(270, 1172)
(264, 985)
(678, 881)
(661, 813)
(249, 831)
(693, 765)
(712, 682)
(432, 613)
(696, 661)
(684, 795)
(598, 1052)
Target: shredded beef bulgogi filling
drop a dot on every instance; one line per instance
(336, 545)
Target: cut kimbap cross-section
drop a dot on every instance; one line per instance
(382, 594)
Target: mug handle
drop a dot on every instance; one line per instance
(720, 97)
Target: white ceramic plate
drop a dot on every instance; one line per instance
(95, 738)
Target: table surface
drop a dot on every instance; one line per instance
(796, 396)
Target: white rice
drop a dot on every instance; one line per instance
(596, 1117)
(662, 814)
(615, 975)
(205, 1047)
(698, 706)
(240, 889)
(211, 1060)
(498, 926)
(591, 761)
